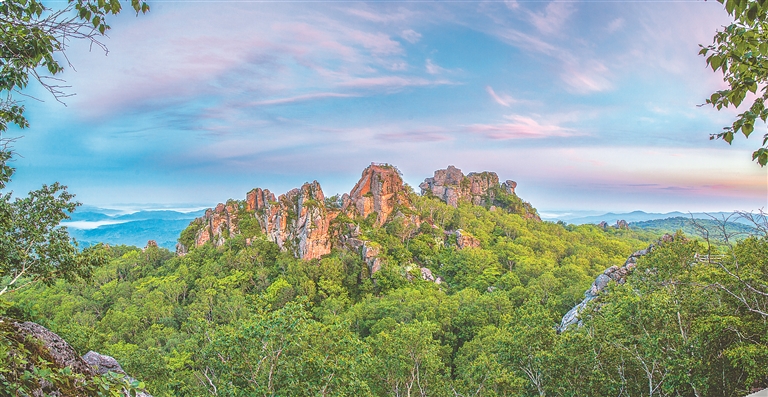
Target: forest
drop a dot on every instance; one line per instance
(249, 319)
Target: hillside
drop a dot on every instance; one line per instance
(381, 291)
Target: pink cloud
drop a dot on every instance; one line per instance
(377, 43)
(503, 100)
(390, 82)
(432, 68)
(300, 98)
(410, 36)
(401, 14)
(553, 18)
(521, 127)
(587, 79)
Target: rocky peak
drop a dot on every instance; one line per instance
(478, 188)
(218, 224)
(380, 190)
(297, 221)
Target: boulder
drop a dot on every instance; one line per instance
(45, 345)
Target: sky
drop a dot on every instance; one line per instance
(587, 105)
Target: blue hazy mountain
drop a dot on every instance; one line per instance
(95, 226)
(641, 216)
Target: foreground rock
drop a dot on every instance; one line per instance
(613, 273)
(44, 345)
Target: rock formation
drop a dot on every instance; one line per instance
(380, 190)
(300, 220)
(613, 273)
(451, 186)
(45, 345)
(479, 188)
(218, 224)
(297, 221)
(464, 240)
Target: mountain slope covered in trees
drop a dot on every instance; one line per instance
(431, 300)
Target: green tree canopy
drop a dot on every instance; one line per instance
(740, 52)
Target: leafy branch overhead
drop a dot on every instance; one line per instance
(740, 52)
(31, 34)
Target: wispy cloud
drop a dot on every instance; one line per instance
(410, 36)
(615, 25)
(587, 79)
(381, 16)
(553, 18)
(503, 100)
(520, 127)
(391, 82)
(300, 98)
(432, 68)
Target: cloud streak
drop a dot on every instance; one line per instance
(520, 127)
(300, 98)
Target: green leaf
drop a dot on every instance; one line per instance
(752, 13)
(747, 129)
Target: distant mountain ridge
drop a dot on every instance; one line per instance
(92, 227)
(641, 216)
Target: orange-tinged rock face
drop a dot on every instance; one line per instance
(380, 189)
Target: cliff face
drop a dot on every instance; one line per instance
(218, 223)
(297, 221)
(613, 273)
(380, 190)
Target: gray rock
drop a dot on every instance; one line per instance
(615, 273)
(102, 363)
(427, 275)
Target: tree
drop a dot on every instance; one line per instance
(32, 245)
(740, 52)
(31, 34)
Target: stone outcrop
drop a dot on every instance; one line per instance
(427, 275)
(218, 224)
(464, 240)
(613, 273)
(452, 186)
(380, 190)
(300, 220)
(42, 344)
(102, 364)
(297, 221)
(479, 188)
(181, 249)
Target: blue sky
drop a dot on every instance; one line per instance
(587, 105)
